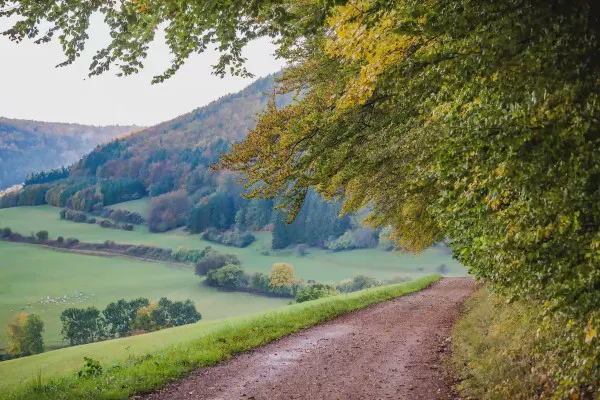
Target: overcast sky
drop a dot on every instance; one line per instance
(32, 88)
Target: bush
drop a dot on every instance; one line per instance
(60, 240)
(229, 238)
(155, 253)
(105, 223)
(261, 283)
(363, 238)
(5, 233)
(215, 261)
(92, 221)
(122, 216)
(230, 276)
(302, 250)
(442, 269)
(42, 236)
(315, 291)
(357, 283)
(72, 242)
(73, 215)
(127, 227)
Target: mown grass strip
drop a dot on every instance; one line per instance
(155, 370)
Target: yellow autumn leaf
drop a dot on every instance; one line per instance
(590, 332)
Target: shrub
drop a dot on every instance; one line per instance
(60, 240)
(229, 238)
(127, 227)
(344, 242)
(215, 261)
(357, 283)
(259, 282)
(72, 242)
(302, 250)
(123, 216)
(105, 223)
(362, 238)
(282, 274)
(90, 368)
(230, 276)
(91, 221)
(442, 269)
(315, 291)
(73, 215)
(42, 236)
(5, 232)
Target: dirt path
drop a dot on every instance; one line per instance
(388, 351)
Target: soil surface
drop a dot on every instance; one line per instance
(391, 350)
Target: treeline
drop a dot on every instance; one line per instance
(224, 272)
(124, 318)
(46, 176)
(81, 217)
(180, 255)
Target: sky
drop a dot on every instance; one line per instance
(32, 88)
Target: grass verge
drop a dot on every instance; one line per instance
(154, 370)
(494, 349)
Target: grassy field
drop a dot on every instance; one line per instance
(36, 280)
(139, 206)
(150, 361)
(319, 265)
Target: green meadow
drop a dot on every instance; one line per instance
(43, 281)
(319, 265)
(46, 281)
(146, 362)
(139, 206)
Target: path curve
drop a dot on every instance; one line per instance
(390, 350)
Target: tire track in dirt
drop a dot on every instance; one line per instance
(390, 350)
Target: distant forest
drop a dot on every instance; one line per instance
(31, 146)
(171, 162)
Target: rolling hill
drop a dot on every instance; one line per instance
(33, 146)
(170, 163)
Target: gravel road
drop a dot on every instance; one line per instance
(390, 350)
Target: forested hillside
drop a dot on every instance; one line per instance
(31, 146)
(171, 162)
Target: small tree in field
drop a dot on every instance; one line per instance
(282, 274)
(34, 343)
(42, 236)
(81, 325)
(16, 334)
(25, 335)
